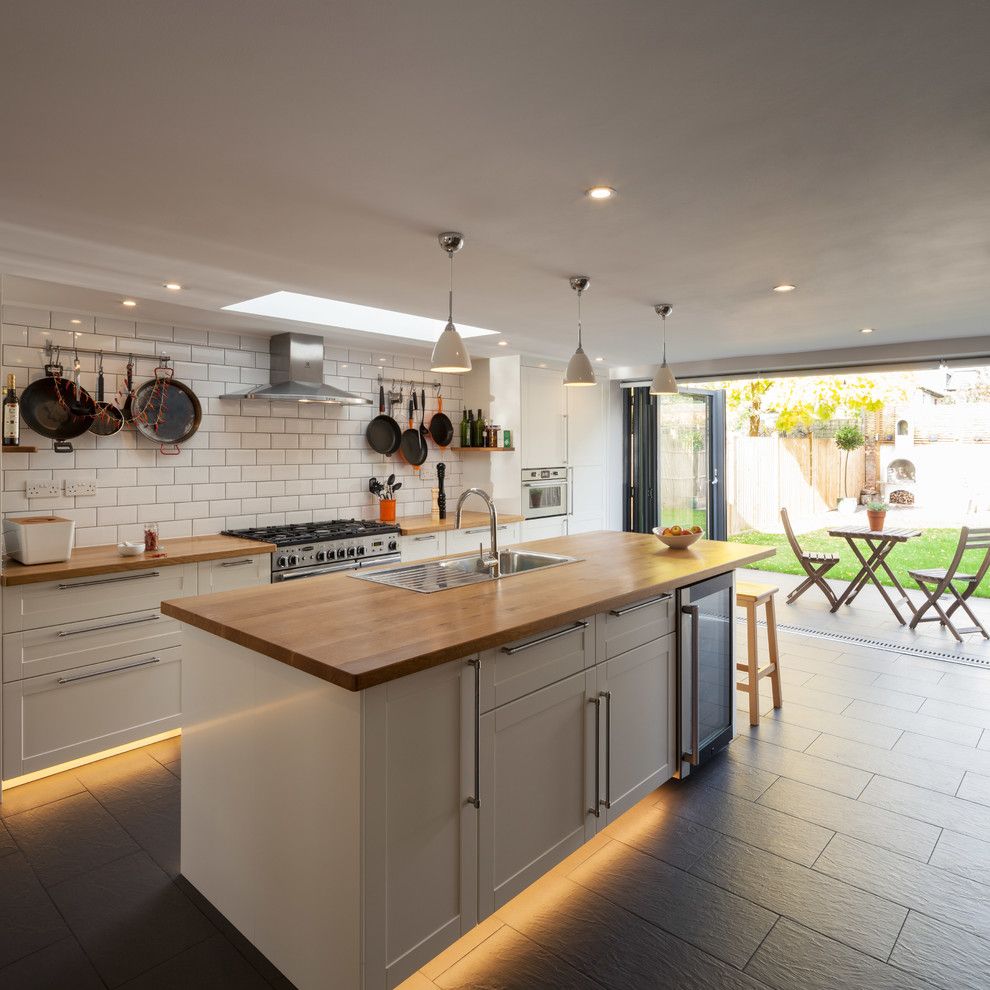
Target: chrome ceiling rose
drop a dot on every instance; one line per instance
(664, 382)
(450, 353)
(663, 310)
(580, 371)
(451, 241)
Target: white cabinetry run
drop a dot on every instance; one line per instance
(454, 541)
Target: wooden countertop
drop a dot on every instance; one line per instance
(418, 525)
(87, 561)
(311, 624)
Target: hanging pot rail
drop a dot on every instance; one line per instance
(382, 380)
(50, 349)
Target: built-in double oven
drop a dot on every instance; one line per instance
(545, 492)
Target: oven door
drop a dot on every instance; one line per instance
(544, 498)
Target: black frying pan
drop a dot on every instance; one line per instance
(383, 433)
(108, 419)
(166, 411)
(57, 409)
(441, 428)
(412, 446)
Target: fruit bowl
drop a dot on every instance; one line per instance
(680, 542)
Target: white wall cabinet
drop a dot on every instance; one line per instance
(543, 429)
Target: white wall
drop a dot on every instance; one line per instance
(251, 463)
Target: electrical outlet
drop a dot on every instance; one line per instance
(80, 488)
(43, 489)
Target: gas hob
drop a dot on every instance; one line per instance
(310, 549)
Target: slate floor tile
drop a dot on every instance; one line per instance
(7, 844)
(657, 831)
(129, 917)
(974, 695)
(27, 796)
(921, 722)
(852, 916)
(781, 733)
(30, 920)
(709, 917)
(836, 725)
(812, 697)
(958, 712)
(855, 818)
(908, 702)
(946, 753)
(889, 763)
(131, 776)
(69, 837)
(757, 824)
(211, 965)
(734, 777)
(946, 956)
(928, 889)
(165, 750)
(975, 788)
(152, 817)
(807, 768)
(510, 961)
(175, 768)
(60, 965)
(963, 854)
(794, 958)
(944, 810)
(613, 946)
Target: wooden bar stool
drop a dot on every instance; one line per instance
(751, 596)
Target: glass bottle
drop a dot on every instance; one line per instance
(11, 414)
(470, 429)
(479, 431)
(465, 430)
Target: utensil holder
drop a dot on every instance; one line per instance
(386, 510)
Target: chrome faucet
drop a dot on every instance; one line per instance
(490, 563)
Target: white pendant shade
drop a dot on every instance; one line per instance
(579, 370)
(449, 352)
(664, 382)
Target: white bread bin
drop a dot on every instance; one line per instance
(39, 539)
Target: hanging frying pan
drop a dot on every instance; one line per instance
(441, 428)
(126, 399)
(412, 447)
(108, 419)
(57, 409)
(166, 411)
(383, 433)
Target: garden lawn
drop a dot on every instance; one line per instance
(934, 548)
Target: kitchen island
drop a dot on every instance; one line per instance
(369, 772)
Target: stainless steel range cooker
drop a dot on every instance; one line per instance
(310, 549)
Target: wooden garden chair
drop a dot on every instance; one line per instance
(951, 583)
(816, 566)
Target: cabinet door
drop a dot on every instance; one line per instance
(637, 732)
(237, 572)
(543, 433)
(421, 547)
(467, 540)
(586, 426)
(421, 830)
(544, 529)
(537, 786)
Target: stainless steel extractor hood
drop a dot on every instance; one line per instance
(297, 374)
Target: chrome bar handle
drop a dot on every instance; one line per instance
(580, 624)
(109, 625)
(618, 612)
(693, 756)
(118, 580)
(475, 801)
(607, 695)
(596, 810)
(423, 539)
(112, 670)
(237, 563)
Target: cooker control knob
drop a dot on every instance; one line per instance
(360, 551)
(341, 553)
(350, 551)
(280, 562)
(392, 545)
(321, 555)
(293, 560)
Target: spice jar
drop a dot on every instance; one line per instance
(151, 539)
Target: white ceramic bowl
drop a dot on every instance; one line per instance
(681, 542)
(130, 549)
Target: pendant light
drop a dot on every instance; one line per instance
(449, 352)
(664, 382)
(579, 370)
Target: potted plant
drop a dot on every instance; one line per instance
(848, 439)
(876, 512)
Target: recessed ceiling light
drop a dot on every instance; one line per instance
(600, 192)
(599, 359)
(503, 343)
(349, 316)
(542, 365)
(785, 287)
(381, 360)
(76, 322)
(173, 286)
(866, 330)
(128, 302)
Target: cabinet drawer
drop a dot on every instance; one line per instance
(421, 547)
(52, 649)
(234, 573)
(466, 540)
(625, 628)
(58, 717)
(31, 606)
(512, 671)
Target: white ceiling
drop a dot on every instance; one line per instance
(243, 146)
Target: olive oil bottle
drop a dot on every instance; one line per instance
(11, 414)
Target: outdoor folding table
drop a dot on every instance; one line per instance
(880, 544)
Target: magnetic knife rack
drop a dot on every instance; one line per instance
(63, 349)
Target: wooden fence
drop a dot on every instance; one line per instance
(801, 474)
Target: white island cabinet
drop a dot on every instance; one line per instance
(395, 818)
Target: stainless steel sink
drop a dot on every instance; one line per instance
(457, 572)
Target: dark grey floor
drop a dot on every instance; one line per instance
(843, 843)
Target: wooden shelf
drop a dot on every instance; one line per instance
(486, 450)
(19, 450)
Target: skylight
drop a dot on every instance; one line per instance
(349, 316)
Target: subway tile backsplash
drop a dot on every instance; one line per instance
(250, 464)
